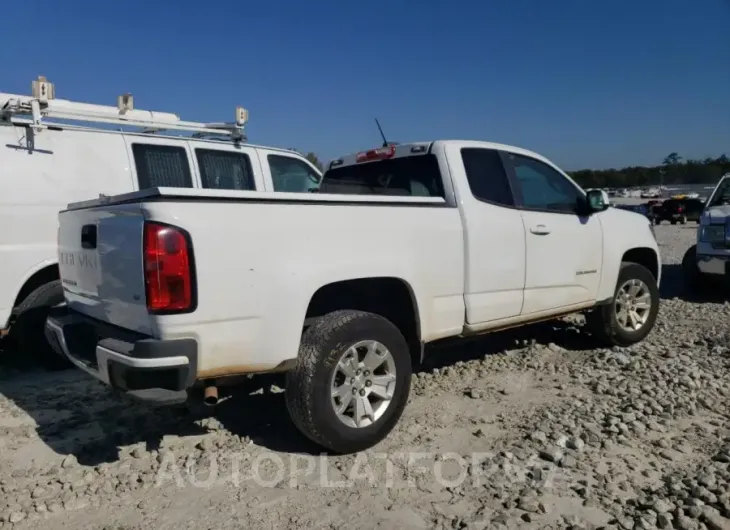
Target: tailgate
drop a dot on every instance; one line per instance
(101, 264)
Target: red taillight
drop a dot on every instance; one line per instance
(167, 269)
(381, 153)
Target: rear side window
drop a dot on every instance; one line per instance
(291, 174)
(161, 166)
(224, 170)
(412, 176)
(486, 176)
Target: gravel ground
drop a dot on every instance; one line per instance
(528, 429)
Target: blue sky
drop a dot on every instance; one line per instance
(587, 83)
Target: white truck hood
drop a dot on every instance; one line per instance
(717, 214)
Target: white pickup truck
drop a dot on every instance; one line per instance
(170, 290)
(708, 261)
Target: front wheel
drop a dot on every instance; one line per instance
(351, 382)
(632, 313)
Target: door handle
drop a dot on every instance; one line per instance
(88, 236)
(540, 230)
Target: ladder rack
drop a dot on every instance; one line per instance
(38, 109)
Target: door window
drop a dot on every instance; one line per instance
(542, 187)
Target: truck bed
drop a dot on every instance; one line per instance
(274, 250)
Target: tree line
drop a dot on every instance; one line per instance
(673, 170)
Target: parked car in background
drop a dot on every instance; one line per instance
(693, 209)
(45, 163)
(651, 193)
(709, 258)
(641, 209)
(672, 210)
(652, 206)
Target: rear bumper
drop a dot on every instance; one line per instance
(716, 265)
(671, 216)
(145, 368)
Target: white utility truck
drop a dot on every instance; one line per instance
(170, 290)
(53, 152)
(708, 261)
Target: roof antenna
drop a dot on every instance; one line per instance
(385, 142)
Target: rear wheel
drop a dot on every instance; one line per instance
(683, 220)
(352, 381)
(28, 328)
(632, 313)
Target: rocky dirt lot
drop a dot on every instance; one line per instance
(533, 428)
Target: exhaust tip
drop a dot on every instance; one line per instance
(210, 396)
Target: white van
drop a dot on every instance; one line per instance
(54, 152)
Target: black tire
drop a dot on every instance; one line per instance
(674, 221)
(602, 320)
(683, 220)
(694, 281)
(28, 327)
(308, 391)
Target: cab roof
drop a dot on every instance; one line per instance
(391, 151)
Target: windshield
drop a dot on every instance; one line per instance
(722, 195)
(291, 174)
(415, 176)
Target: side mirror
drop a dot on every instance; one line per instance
(597, 200)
